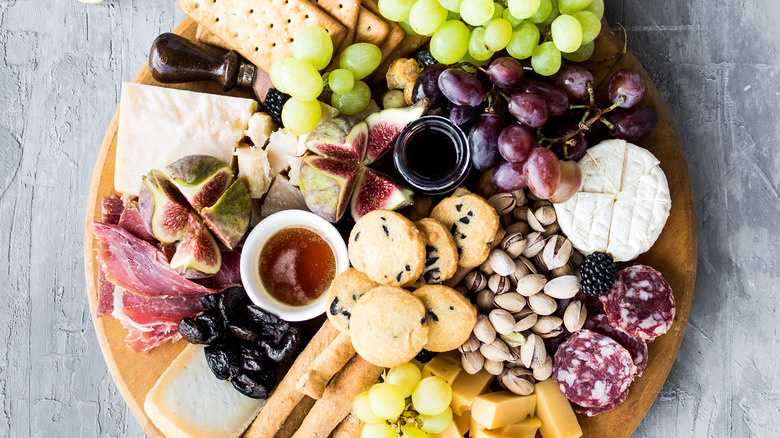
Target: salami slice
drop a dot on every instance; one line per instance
(636, 347)
(640, 303)
(592, 412)
(592, 370)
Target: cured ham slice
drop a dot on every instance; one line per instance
(111, 209)
(146, 310)
(132, 221)
(138, 266)
(141, 341)
(230, 273)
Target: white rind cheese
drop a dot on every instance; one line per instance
(157, 126)
(189, 402)
(622, 204)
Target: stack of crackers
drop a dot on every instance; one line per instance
(263, 30)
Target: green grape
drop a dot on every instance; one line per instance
(477, 48)
(361, 59)
(301, 116)
(450, 5)
(426, 16)
(581, 54)
(546, 59)
(314, 46)
(523, 9)
(378, 430)
(497, 34)
(569, 6)
(436, 423)
(554, 13)
(431, 396)
(498, 12)
(591, 25)
(450, 42)
(597, 7)
(277, 77)
(511, 18)
(341, 80)
(386, 400)
(353, 102)
(524, 40)
(396, 10)
(362, 408)
(405, 377)
(453, 16)
(407, 26)
(412, 432)
(467, 58)
(297, 78)
(567, 33)
(476, 12)
(545, 7)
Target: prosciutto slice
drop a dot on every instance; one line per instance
(142, 341)
(146, 310)
(230, 273)
(111, 209)
(132, 221)
(138, 266)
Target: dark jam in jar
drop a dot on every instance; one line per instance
(296, 266)
(431, 154)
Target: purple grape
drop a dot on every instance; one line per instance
(627, 84)
(529, 108)
(506, 73)
(631, 124)
(573, 80)
(508, 176)
(460, 87)
(516, 142)
(462, 115)
(427, 85)
(557, 100)
(542, 173)
(483, 141)
(597, 133)
(572, 151)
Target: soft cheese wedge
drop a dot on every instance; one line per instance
(189, 402)
(622, 204)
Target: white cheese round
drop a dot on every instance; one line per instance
(622, 203)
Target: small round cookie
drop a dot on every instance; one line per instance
(343, 294)
(387, 327)
(388, 248)
(441, 253)
(450, 317)
(472, 222)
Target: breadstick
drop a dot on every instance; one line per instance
(325, 366)
(357, 376)
(350, 427)
(294, 420)
(285, 398)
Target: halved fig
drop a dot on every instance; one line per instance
(164, 210)
(377, 191)
(201, 179)
(344, 138)
(384, 127)
(197, 254)
(326, 184)
(229, 217)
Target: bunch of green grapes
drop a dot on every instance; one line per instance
(473, 30)
(405, 403)
(300, 78)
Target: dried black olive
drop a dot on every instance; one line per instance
(285, 349)
(248, 386)
(224, 361)
(278, 332)
(233, 299)
(425, 356)
(214, 325)
(243, 332)
(259, 316)
(210, 302)
(193, 331)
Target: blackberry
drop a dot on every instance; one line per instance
(424, 58)
(274, 101)
(598, 274)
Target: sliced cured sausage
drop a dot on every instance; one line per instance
(592, 412)
(635, 346)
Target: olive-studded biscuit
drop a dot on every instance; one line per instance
(388, 326)
(343, 294)
(441, 253)
(388, 248)
(472, 222)
(449, 316)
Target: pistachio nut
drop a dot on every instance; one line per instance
(521, 213)
(561, 271)
(539, 203)
(496, 350)
(544, 372)
(472, 362)
(498, 284)
(551, 229)
(502, 321)
(475, 281)
(518, 227)
(574, 316)
(513, 244)
(532, 352)
(504, 203)
(484, 330)
(539, 262)
(510, 301)
(533, 222)
(547, 324)
(534, 244)
(494, 367)
(497, 238)
(563, 287)
(471, 344)
(531, 284)
(485, 300)
(526, 319)
(528, 264)
(514, 339)
(557, 251)
(518, 380)
(520, 198)
(546, 215)
(501, 263)
(486, 269)
(542, 304)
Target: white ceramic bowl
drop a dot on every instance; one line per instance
(250, 261)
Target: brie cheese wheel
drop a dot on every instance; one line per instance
(189, 402)
(622, 203)
(157, 126)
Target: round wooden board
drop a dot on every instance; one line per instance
(674, 254)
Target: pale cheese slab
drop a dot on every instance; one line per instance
(157, 126)
(189, 402)
(602, 167)
(586, 219)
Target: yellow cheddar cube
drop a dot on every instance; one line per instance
(524, 429)
(450, 432)
(467, 387)
(462, 422)
(475, 428)
(445, 365)
(499, 409)
(552, 407)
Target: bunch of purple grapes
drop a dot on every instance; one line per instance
(532, 132)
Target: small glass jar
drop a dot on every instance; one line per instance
(432, 155)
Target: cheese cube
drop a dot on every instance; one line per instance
(475, 428)
(524, 429)
(466, 387)
(445, 365)
(499, 409)
(189, 402)
(462, 422)
(552, 407)
(254, 168)
(450, 432)
(260, 127)
(157, 126)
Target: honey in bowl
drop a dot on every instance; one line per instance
(296, 266)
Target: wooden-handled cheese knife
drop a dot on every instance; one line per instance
(175, 59)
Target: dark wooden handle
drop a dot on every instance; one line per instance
(175, 59)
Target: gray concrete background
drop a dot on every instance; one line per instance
(717, 64)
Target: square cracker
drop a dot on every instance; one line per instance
(204, 36)
(264, 32)
(395, 35)
(370, 28)
(345, 12)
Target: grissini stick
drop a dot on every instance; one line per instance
(350, 427)
(325, 366)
